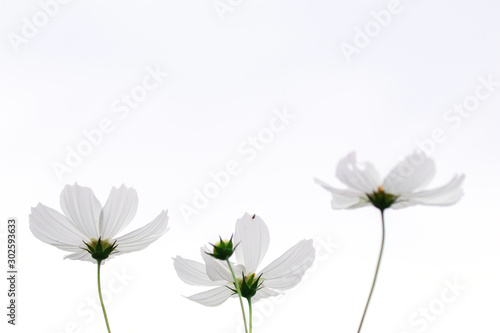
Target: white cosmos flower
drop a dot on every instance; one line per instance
(402, 184)
(252, 237)
(85, 221)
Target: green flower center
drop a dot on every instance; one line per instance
(382, 199)
(100, 249)
(223, 249)
(249, 285)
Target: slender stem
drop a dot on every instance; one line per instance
(237, 285)
(376, 271)
(250, 313)
(100, 294)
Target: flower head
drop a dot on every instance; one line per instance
(252, 237)
(223, 249)
(249, 285)
(89, 230)
(100, 250)
(400, 188)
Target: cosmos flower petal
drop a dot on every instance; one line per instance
(118, 211)
(445, 195)
(264, 293)
(143, 237)
(81, 206)
(414, 172)
(252, 239)
(342, 199)
(192, 272)
(287, 271)
(218, 270)
(358, 176)
(53, 228)
(212, 297)
(284, 282)
(80, 255)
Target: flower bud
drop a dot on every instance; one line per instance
(223, 249)
(249, 285)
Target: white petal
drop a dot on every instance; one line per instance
(448, 194)
(347, 198)
(287, 271)
(413, 173)
(359, 176)
(53, 228)
(81, 255)
(263, 293)
(118, 211)
(218, 270)
(82, 207)
(192, 272)
(252, 237)
(212, 297)
(142, 237)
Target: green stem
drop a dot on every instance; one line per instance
(237, 285)
(100, 294)
(250, 313)
(376, 271)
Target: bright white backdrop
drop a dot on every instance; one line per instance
(375, 77)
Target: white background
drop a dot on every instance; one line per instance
(226, 79)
